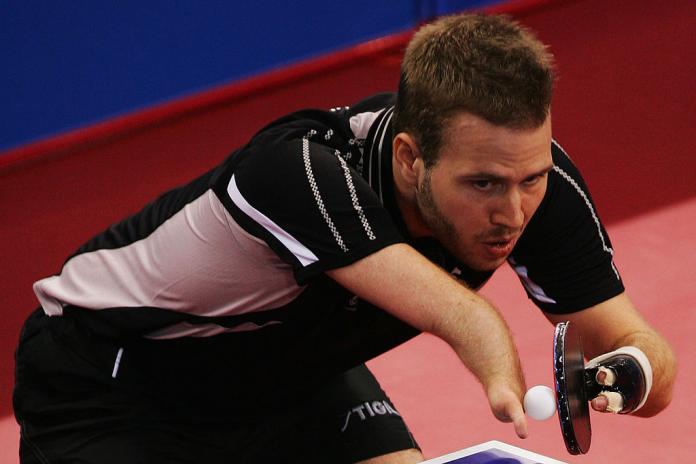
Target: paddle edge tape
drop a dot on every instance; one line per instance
(565, 419)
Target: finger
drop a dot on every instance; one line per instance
(601, 377)
(600, 403)
(519, 420)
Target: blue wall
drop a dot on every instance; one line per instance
(69, 64)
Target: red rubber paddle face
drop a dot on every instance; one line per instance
(571, 397)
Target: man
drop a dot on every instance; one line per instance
(229, 320)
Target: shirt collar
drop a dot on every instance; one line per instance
(378, 154)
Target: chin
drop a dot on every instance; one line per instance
(484, 265)
(476, 261)
(486, 268)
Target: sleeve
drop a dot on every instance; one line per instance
(565, 258)
(308, 205)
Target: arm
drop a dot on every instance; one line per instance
(407, 285)
(615, 323)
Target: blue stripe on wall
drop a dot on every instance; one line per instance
(73, 63)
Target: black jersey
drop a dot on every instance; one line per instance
(242, 251)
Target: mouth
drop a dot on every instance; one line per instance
(499, 248)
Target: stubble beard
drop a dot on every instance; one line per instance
(442, 229)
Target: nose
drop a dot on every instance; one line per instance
(509, 211)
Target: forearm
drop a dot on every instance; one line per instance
(664, 367)
(404, 283)
(482, 340)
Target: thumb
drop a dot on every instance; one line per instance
(600, 403)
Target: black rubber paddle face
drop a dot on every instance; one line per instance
(571, 397)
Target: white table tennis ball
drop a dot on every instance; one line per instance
(540, 402)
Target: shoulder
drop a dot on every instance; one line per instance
(301, 197)
(277, 160)
(565, 169)
(564, 257)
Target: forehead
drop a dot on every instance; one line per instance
(470, 142)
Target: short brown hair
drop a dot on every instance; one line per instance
(489, 66)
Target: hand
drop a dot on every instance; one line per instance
(506, 405)
(621, 380)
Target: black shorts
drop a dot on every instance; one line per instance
(71, 408)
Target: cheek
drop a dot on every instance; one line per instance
(467, 212)
(469, 216)
(456, 205)
(532, 202)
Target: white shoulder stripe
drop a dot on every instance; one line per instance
(317, 195)
(379, 151)
(555, 142)
(301, 252)
(354, 198)
(588, 203)
(373, 146)
(531, 286)
(387, 120)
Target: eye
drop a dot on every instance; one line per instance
(482, 184)
(533, 180)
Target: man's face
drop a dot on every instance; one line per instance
(486, 185)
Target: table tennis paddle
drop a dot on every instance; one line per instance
(572, 402)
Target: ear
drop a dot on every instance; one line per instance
(407, 159)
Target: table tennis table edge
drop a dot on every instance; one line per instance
(493, 444)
